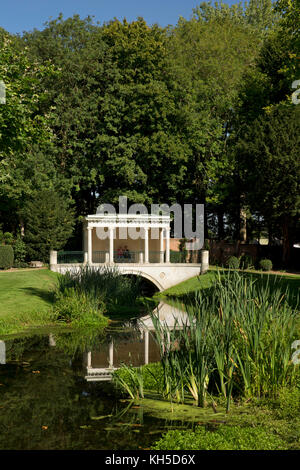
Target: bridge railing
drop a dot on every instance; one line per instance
(127, 256)
(178, 257)
(137, 257)
(99, 257)
(70, 257)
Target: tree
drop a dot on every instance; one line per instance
(289, 34)
(49, 222)
(25, 135)
(212, 52)
(269, 166)
(121, 118)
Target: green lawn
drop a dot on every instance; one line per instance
(25, 298)
(186, 289)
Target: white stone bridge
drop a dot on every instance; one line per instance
(135, 245)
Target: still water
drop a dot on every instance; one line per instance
(55, 389)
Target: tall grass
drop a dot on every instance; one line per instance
(236, 341)
(105, 284)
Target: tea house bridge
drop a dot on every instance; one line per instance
(136, 244)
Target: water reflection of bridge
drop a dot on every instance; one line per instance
(138, 349)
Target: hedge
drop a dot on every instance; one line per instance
(6, 256)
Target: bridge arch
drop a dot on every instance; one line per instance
(136, 272)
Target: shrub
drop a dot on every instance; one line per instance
(246, 261)
(6, 238)
(6, 257)
(79, 309)
(265, 264)
(19, 251)
(105, 283)
(233, 262)
(223, 438)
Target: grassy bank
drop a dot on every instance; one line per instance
(26, 297)
(186, 290)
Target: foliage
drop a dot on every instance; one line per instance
(6, 256)
(233, 262)
(269, 168)
(49, 222)
(221, 438)
(287, 405)
(79, 309)
(135, 380)
(289, 35)
(106, 284)
(94, 111)
(24, 130)
(19, 250)
(120, 115)
(6, 238)
(246, 261)
(265, 264)
(236, 340)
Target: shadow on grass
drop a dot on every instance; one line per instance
(44, 294)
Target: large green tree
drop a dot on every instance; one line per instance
(269, 168)
(121, 118)
(49, 222)
(25, 133)
(212, 51)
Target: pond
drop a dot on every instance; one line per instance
(55, 389)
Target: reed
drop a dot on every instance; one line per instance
(237, 340)
(105, 283)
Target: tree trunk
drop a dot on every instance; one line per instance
(286, 252)
(22, 229)
(243, 220)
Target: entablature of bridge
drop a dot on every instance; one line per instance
(127, 220)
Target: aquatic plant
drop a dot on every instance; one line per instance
(105, 283)
(79, 309)
(236, 340)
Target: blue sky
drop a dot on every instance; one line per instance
(17, 16)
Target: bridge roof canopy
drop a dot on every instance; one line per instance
(128, 220)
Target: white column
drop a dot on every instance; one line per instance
(146, 255)
(146, 333)
(89, 359)
(111, 354)
(2, 352)
(90, 249)
(204, 261)
(53, 258)
(167, 245)
(52, 341)
(161, 247)
(111, 245)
